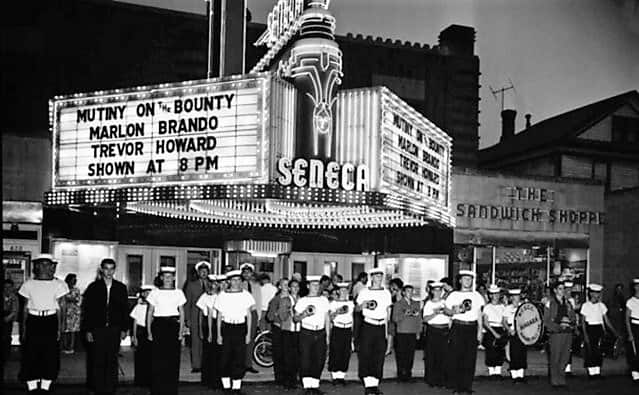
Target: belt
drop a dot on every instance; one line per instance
(374, 321)
(42, 313)
(495, 325)
(309, 327)
(439, 326)
(233, 322)
(468, 323)
(634, 321)
(343, 326)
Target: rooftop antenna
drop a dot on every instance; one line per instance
(498, 94)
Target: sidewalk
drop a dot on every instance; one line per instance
(72, 370)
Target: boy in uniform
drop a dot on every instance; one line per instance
(464, 306)
(594, 321)
(42, 319)
(518, 352)
(233, 322)
(374, 302)
(312, 312)
(341, 311)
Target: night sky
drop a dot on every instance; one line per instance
(559, 54)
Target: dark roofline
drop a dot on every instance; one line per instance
(519, 144)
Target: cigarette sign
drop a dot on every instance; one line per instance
(201, 132)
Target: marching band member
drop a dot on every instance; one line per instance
(140, 339)
(495, 338)
(193, 290)
(559, 320)
(518, 351)
(250, 284)
(165, 320)
(375, 303)
(632, 325)
(406, 316)
(234, 319)
(42, 324)
(290, 336)
(437, 326)
(207, 325)
(312, 312)
(594, 321)
(464, 306)
(341, 313)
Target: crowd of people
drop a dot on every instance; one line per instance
(311, 320)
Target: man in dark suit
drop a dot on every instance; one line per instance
(104, 320)
(193, 290)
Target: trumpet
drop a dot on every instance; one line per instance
(342, 310)
(466, 305)
(310, 309)
(370, 304)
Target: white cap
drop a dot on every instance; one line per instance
(202, 263)
(220, 277)
(515, 291)
(44, 257)
(311, 279)
(247, 266)
(436, 284)
(343, 285)
(234, 273)
(595, 287)
(376, 270)
(147, 287)
(167, 269)
(635, 281)
(467, 273)
(493, 289)
(212, 277)
(568, 283)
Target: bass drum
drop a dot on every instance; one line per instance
(529, 324)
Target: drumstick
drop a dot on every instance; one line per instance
(634, 347)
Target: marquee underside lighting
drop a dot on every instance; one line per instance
(278, 214)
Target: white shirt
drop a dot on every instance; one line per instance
(267, 290)
(383, 299)
(495, 314)
(233, 306)
(43, 294)
(633, 305)
(440, 318)
(316, 321)
(345, 319)
(139, 314)
(205, 302)
(456, 298)
(165, 302)
(593, 312)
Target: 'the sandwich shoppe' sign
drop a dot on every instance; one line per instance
(210, 132)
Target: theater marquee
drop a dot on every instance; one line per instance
(204, 131)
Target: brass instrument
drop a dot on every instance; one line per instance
(370, 304)
(466, 305)
(342, 310)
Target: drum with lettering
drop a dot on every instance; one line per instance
(529, 323)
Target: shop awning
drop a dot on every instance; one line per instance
(520, 238)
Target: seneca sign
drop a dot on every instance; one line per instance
(210, 132)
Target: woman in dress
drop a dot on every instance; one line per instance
(165, 323)
(71, 313)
